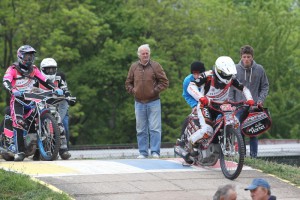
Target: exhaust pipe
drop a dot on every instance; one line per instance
(181, 152)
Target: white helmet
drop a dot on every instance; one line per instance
(49, 68)
(224, 69)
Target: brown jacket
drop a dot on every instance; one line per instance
(146, 82)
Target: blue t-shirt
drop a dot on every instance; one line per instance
(188, 98)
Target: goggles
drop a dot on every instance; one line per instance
(223, 74)
(50, 70)
(28, 57)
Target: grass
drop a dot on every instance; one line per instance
(283, 171)
(19, 186)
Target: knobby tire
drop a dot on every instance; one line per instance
(49, 142)
(226, 161)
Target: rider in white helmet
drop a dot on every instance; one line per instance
(48, 68)
(217, 83)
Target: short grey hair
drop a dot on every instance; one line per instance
(223, 191)
(143, 46)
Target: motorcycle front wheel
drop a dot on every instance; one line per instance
(232, 153)
(49, 140)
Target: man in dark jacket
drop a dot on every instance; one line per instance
(145, 80)
(253, 76)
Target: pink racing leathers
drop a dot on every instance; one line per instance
(14, 81)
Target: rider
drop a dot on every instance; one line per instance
(216, 84)
(20, 77)
(48, 68)
(197, 68)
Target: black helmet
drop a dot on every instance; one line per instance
(197, 66)
(26, 59)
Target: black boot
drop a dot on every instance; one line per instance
(37, 155)
(19, 142)
(64, 154)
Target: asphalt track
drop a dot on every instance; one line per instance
(143, 179)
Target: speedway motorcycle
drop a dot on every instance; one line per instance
(44, 126)
(226, 144)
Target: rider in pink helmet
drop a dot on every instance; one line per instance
(20, 77)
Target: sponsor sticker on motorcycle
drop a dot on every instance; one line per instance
(256, 123)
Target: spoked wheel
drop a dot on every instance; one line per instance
(184, 138)
(233, 153)
(49, 140)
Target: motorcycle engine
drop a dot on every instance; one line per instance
(209, 156)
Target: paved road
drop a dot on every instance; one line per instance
(101, 174)
(148, 179)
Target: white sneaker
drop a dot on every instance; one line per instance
(155, 155)
(141, 156)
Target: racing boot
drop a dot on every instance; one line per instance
(37, 155)
(64, 154)
(63, 150)
(19, 156)
(19, 144)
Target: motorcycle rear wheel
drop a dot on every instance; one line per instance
(49, 141)
(232, 154)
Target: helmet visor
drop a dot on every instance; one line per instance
(49, 70)
(224, 75)
(28, 57)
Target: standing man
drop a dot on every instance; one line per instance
(253, 76)
(145, 80)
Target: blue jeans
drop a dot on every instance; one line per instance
(66, 127)
(253, 147)
(148, 122)
(253, 140)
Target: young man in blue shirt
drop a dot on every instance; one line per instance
(197, 68)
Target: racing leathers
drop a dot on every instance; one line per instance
(214, 90)
(16, 83)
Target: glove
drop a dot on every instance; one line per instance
(72, 102)
(250, 102)
(204, 100)
(17, 93)
(59, 91)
